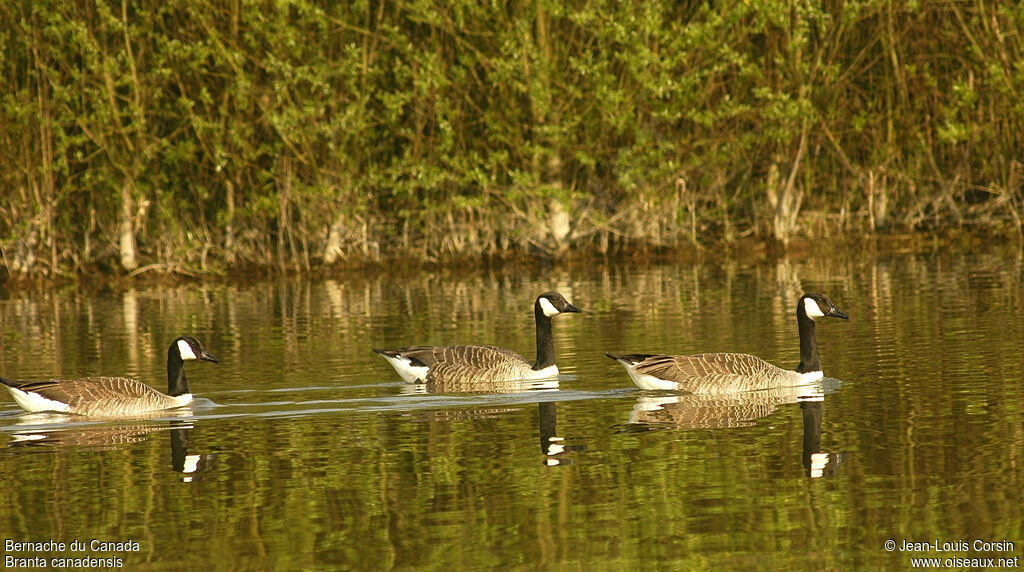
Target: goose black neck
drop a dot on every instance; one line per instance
(176, 382)
(545, 346)
(809, 360)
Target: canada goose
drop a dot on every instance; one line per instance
(462, 365)
(729, 373)
(112, 396)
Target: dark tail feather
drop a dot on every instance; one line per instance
(631, 358)
(11, 382)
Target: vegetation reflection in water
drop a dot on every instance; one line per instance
(304, 451)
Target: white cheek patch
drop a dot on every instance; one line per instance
(548, 308)
(186, 350)
(812, 309)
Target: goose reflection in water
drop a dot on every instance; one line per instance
(556, 452)
(51, 435)
(816, 462)
(515, 386)
(554, 448)
(744, 409)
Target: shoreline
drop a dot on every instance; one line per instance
(743, 250)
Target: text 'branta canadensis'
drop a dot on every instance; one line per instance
(461, 365)
(727, 372)
(112, 396)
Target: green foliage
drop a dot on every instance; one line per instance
(256, 125)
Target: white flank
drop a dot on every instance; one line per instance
(186, 350)
(408, 372)
(812, 309)
(182, 400)
(810, 376)
(34, 402)
(547, 307)
(546, 373)
(644, 381)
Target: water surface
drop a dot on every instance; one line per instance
(305, 450)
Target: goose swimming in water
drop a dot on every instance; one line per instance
(462, 365)
(729, 372)
(112, 396)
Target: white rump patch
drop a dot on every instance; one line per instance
(186, 350)
(409, 373)
(548, 308)
(34, 402)
(644, 381)
(812, 309)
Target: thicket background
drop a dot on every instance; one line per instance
(191, 137)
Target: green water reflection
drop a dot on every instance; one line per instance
(304, 450)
